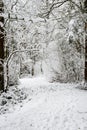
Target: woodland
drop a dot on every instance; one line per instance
(42, 37)
(43, 43)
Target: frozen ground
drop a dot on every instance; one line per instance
(48, 106)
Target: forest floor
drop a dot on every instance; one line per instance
(47, 106)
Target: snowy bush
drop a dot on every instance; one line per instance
(13, 71)
(9, 100)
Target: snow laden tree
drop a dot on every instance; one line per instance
(1, 46)
(21, 39)
(69, 35)
(74, 58)
(12, 22)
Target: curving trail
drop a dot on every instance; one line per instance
(48, 107)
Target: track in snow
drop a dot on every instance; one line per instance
(52, 107)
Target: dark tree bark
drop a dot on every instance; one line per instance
(1, 47)
(33, 66)
(86, 54)
(85, 7)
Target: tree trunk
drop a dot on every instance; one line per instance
(86, 54)
(33, 70)
(1, 48)
(85, 6)
(33, 65)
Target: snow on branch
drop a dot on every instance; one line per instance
(19, 51)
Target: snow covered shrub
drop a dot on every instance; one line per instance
(14, 97)
(13, 71)
(25, 68)
(53, 65)
(73, 50)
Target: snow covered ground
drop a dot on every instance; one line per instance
(48, 106)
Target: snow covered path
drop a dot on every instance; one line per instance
(48, 107)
